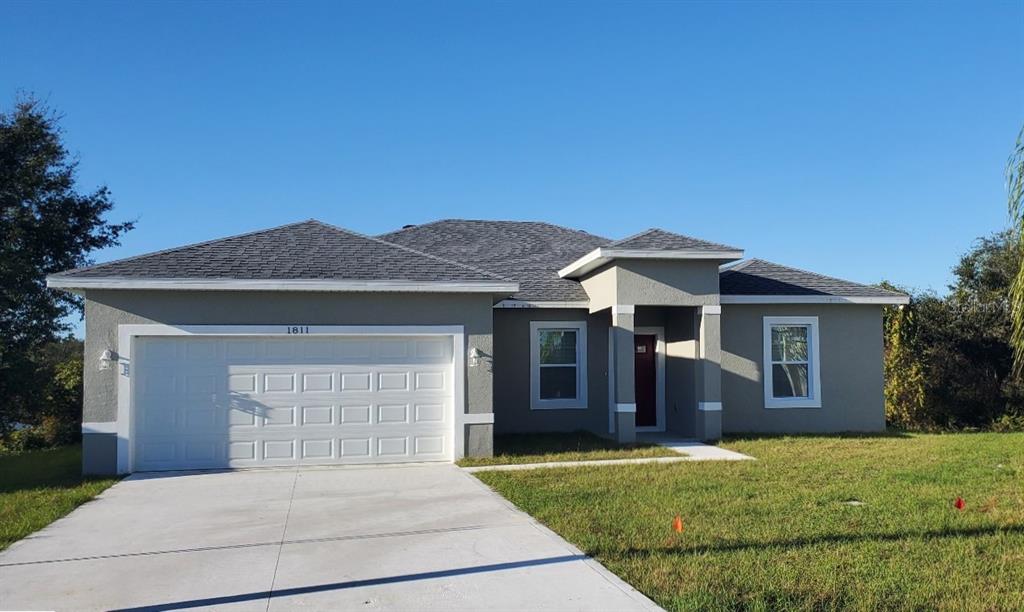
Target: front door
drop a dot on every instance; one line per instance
(646, 376)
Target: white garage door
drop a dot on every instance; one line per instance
(214, 402)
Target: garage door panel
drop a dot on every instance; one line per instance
(246, 402)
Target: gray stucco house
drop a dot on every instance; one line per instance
(309, 343)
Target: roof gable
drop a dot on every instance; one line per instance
(308, 250)
(655, 239)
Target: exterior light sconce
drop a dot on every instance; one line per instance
(474, 357)
(106, 358)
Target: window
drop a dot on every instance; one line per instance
(558, 364)
(792, 377)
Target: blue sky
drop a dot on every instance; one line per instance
(862, 140)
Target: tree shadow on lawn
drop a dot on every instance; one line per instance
(973, 532)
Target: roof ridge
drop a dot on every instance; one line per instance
(413, 226)
(414, 251)
(519, 221)
(634, 236)
(818, 274)
(739, 265)
(186, 246)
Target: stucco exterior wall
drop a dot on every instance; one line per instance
(512, 413)
(655, 282)
(512, 341)
(105, 310)
(601, 288)
(850, 338)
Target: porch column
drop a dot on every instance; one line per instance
(625, 396)
(709, 373)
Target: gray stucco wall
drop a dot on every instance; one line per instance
(512, 369)
(512, 340)
(653, 282)
(656, 282)
(850, 338)
(105, 310)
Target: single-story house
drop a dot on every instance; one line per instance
(313, 344)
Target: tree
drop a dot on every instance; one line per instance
(1015, 202)
(948, 360)
(904, 373)
(46, 225)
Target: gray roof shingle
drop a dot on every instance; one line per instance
(656, 239)
(528, 252)
(760, 277)
(308, 250)
(450, 250)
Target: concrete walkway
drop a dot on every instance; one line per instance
(392, 538)
(694, 450)
(689, 450)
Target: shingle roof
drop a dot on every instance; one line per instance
(528, 252)
(760, 277)
(656, 239)
(451, 250)
(309, 250)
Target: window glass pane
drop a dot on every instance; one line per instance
(558, 346)
(558, 383)
(789, 380)
(789, 343)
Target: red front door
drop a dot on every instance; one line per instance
(646, 376)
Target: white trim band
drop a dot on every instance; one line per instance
(100, 428)
(812, 299)
(623, 309)
(533, 304)
(602, 255)
(709, 406)
(711, 309)
(625, 407)
(234, 284)
(478, 418)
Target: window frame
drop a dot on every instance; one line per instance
(813, 400)
(580, 401)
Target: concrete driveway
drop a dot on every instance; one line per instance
(413, 537)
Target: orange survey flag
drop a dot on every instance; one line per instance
(959, 503)
(677, 524)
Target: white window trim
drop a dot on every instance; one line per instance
(580, 401)
(813, 361)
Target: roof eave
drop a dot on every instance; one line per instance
(72, 283)
(891, 300)
(602, 255)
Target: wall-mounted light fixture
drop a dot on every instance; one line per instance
(474, 357)
(106, 358)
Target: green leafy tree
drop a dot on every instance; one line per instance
(957, 348)
(47, 224)
(904, 373)
(1015, 201)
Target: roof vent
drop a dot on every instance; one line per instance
(408, 225)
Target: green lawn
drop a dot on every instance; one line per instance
(39, 487)
(776, 534)
(577, 446)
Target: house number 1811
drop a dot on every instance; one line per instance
(298, 329)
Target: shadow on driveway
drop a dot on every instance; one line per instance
(352, 584)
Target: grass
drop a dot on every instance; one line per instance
(39, 487)
(776, 534)
(576, 446)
